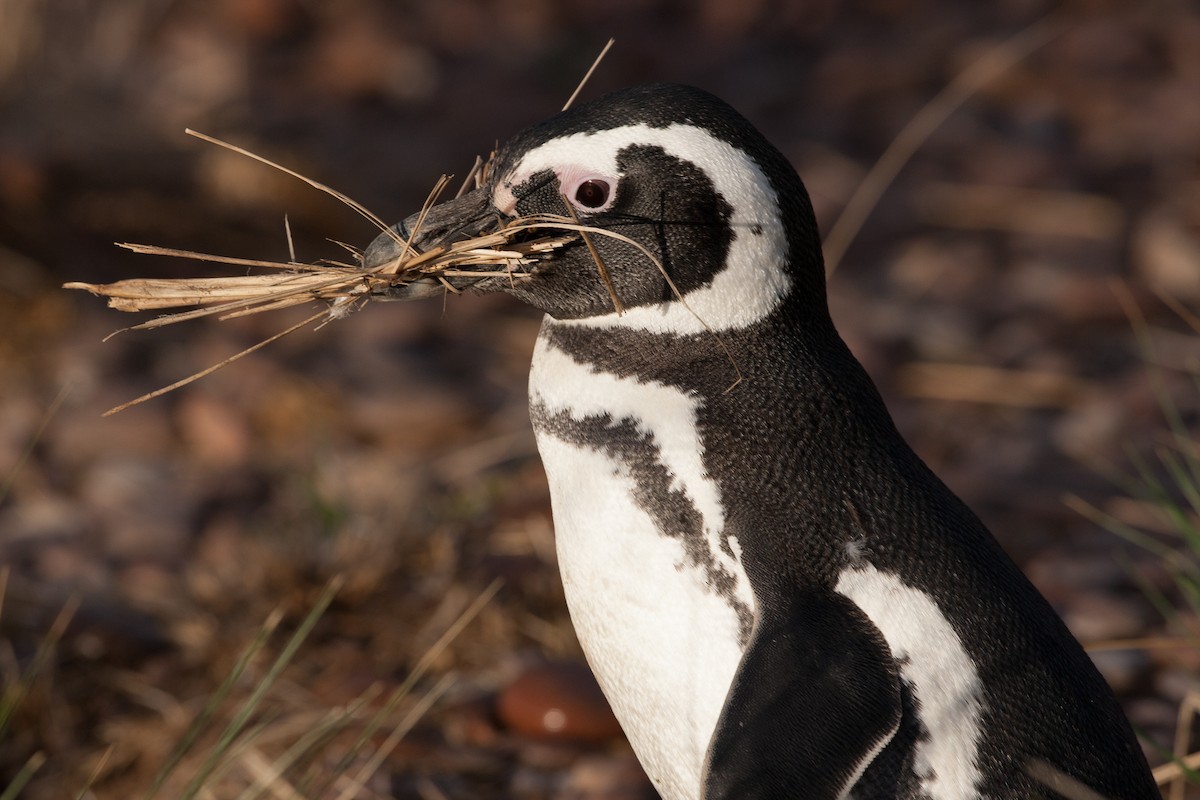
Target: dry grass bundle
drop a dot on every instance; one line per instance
(509, 252)
(344, 286)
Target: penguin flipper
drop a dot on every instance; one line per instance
(815, 698)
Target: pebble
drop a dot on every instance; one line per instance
(606, 777)
(42, 517)
(1060, 571)
(1122, 669)
(216, 432)
(1153, 715)
(557, 700)
(1175, 684)
(139, 505)
(1167, 255)
(1093, 616)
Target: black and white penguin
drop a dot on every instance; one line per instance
(777, 596)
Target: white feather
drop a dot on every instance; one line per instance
(663, 644)
(942, 675)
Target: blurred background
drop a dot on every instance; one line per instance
(1024, 293)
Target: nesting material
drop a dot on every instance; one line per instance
(343, 286)
(509, 252)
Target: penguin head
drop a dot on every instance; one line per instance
(675, 170)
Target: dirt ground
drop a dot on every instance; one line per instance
(984, 294)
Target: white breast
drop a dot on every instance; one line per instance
(663, 643)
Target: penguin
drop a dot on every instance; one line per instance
(777, 596)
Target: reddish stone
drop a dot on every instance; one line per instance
(557, 700)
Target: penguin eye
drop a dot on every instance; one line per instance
(592, 193)
(586, 189)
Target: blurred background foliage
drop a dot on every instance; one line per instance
(392, 448)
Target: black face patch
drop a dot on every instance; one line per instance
(673, 512)
(677, 206)
(666, 204)
(540, 193)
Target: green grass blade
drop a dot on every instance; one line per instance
(14, 694)
(1188, 487)
(214, 702)
(44, 423)
(377, 720)
(312, 742)
(240, 721)
(399, 732)
(1122, 529)
(23, 777)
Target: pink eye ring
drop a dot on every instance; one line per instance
(588, 191)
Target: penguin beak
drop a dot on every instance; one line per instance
(464, 217)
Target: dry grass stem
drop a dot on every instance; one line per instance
(1063, 784)
(1173, 770)
(1183, 736)
(1021, 210)
(343, 287)
(291, 283)
(511, 251)
(474, 177)
(210, 370)
(352, 203)
(1180, 310)
(990, 66)
(972, 383)
(601, 269)
(352, 785)
(588, 75)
